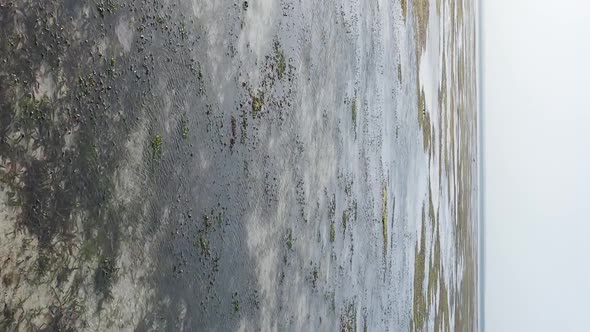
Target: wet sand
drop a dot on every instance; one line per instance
(259, 165)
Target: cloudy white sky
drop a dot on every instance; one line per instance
(536, 92)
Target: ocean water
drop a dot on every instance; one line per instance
(255, 165)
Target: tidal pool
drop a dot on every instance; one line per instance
(238, 165)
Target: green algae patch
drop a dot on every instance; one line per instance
(404, 5)
(420, 307)
(345, 219)
(157, 147)
(421, 12)
(281, 62)
(332, 232)
(257, 104)
(290, 240)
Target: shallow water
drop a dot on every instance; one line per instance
(260, 165)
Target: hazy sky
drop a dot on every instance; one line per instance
(537, 163)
